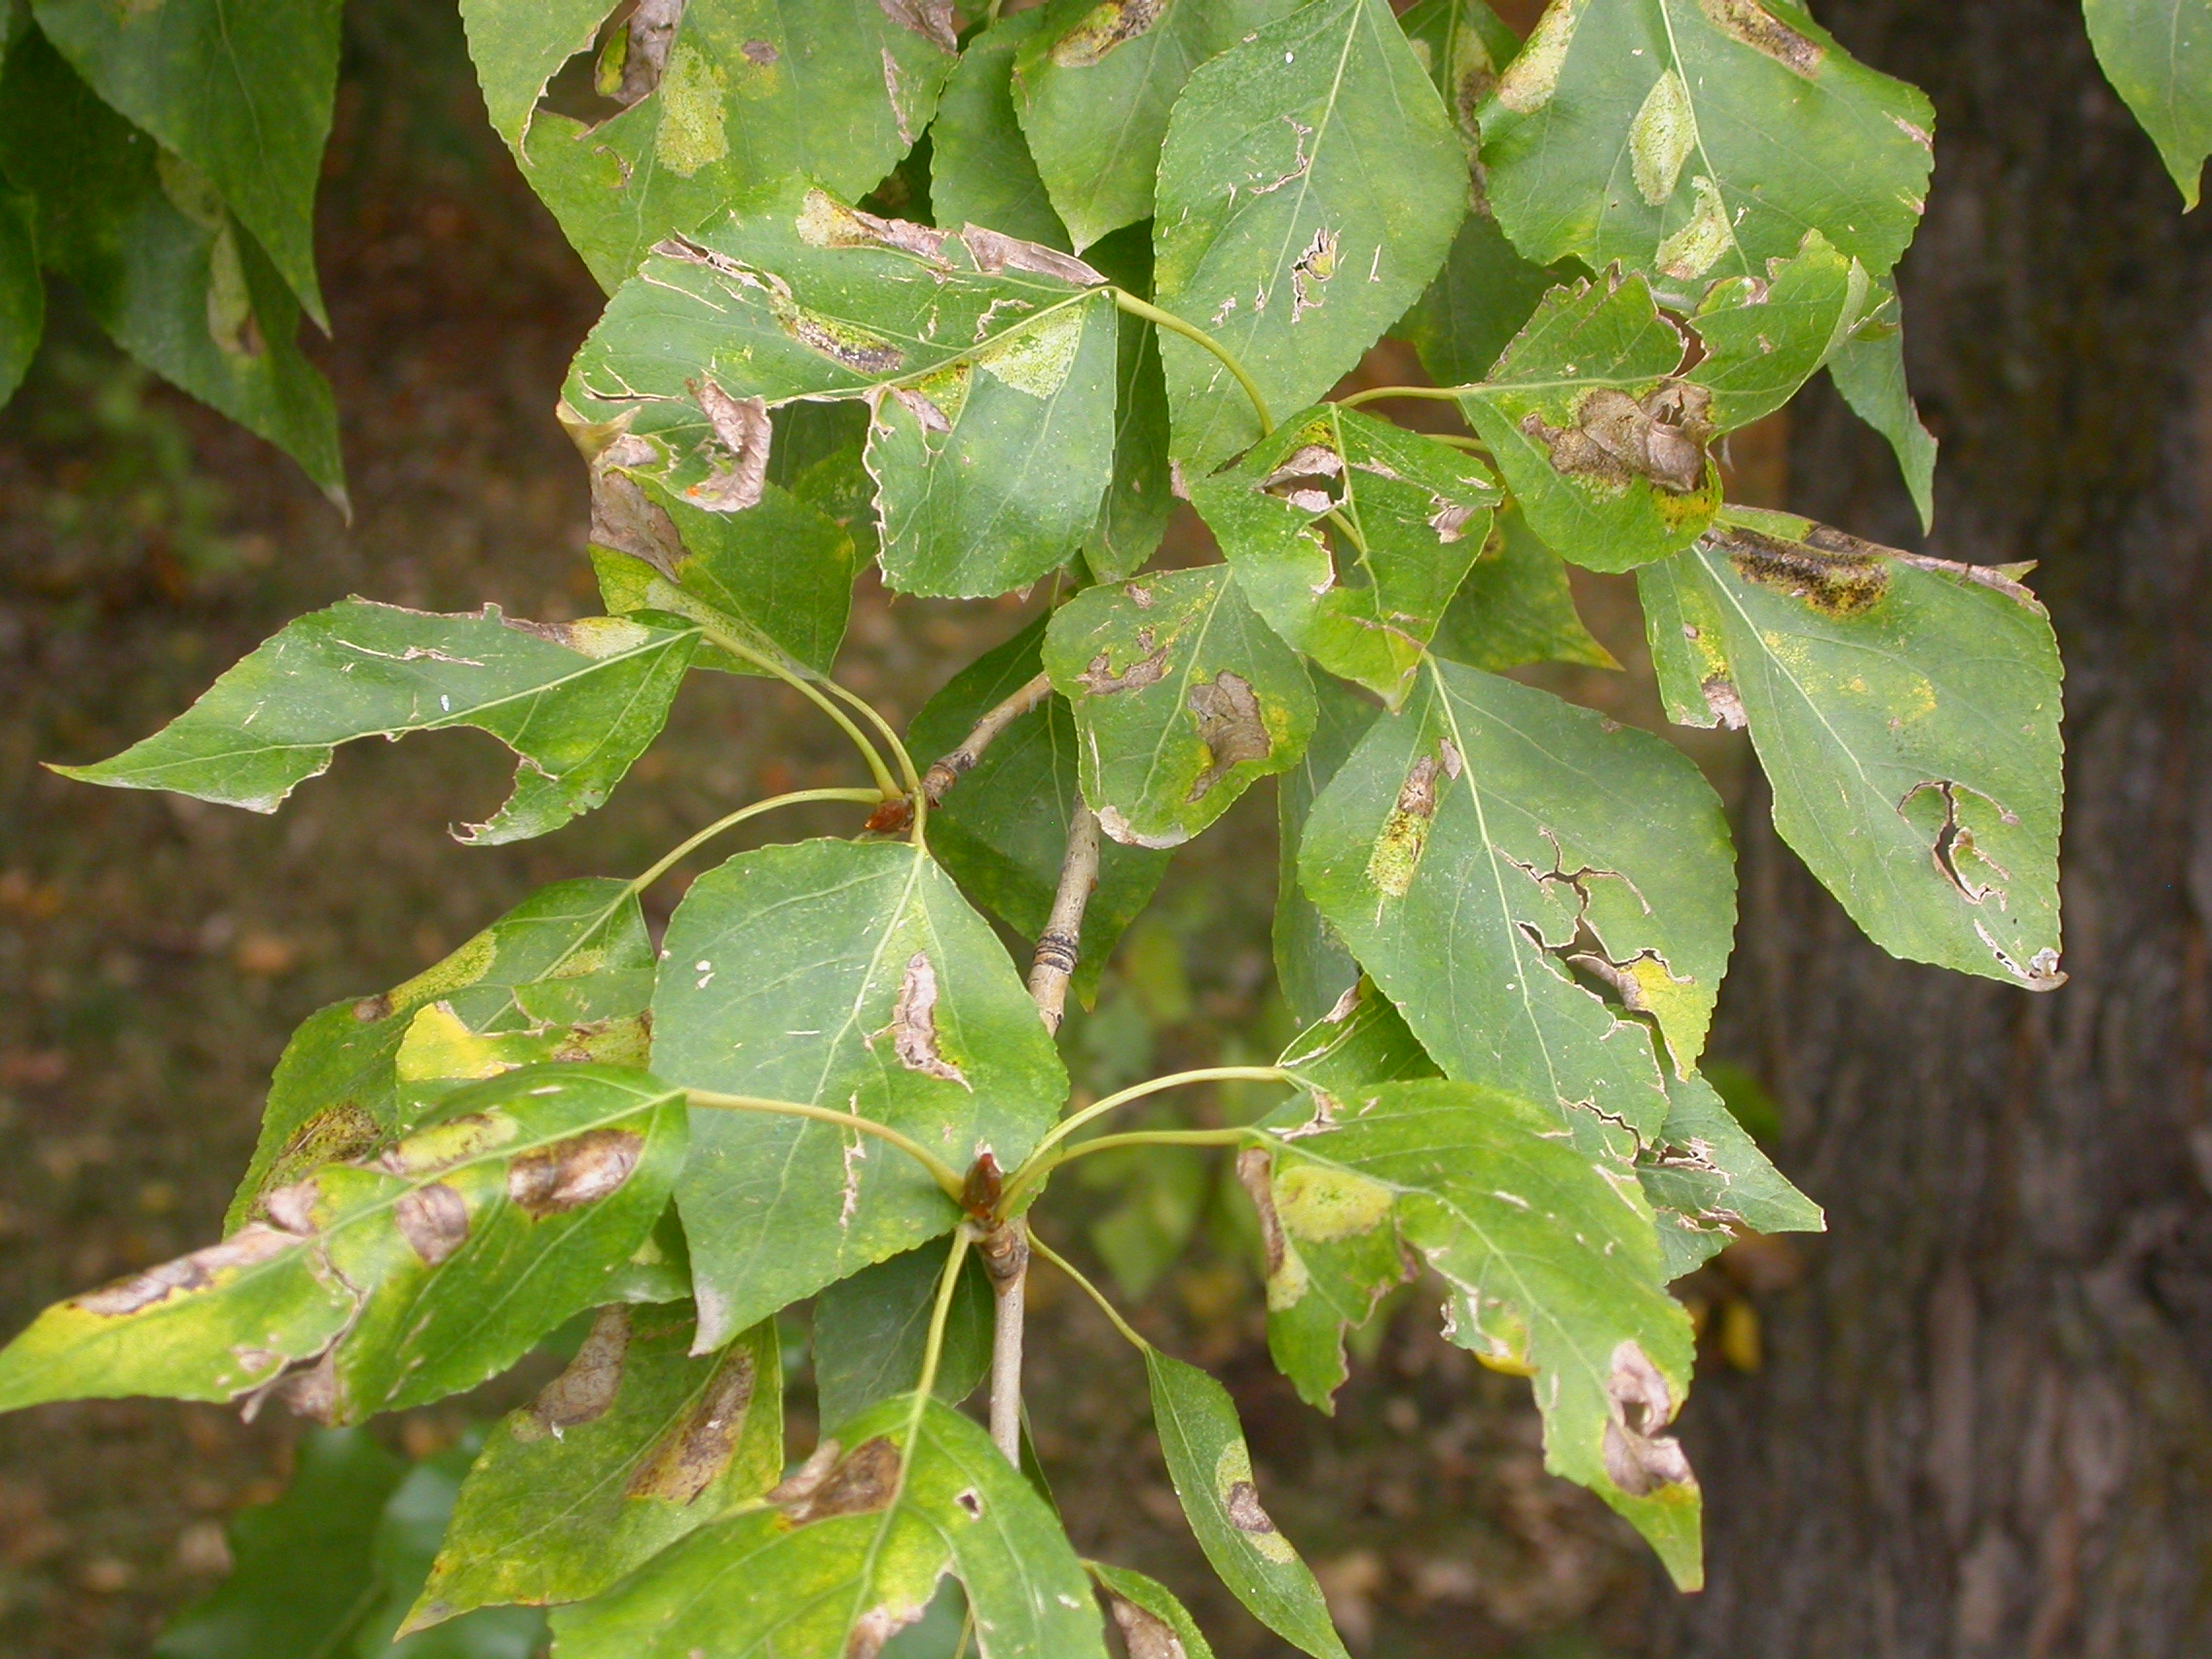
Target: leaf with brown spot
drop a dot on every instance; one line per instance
(1907, 711)
(1182, 697)
(1361, 591)
(573, 1172)
(1768, 129)
(989, 366)
(848, 1553)
(1153, 1624)
(1208, 1459)
(392, 1282)
(1600, 439)
(636, 1445)
(1553, 831)
(1551, 1260)
(791, 973)
(654, 121)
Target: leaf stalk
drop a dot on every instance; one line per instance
(942, 1174)
(1175, 324)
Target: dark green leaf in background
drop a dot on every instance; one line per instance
(1363, 599)
(1093, 85)
(1486, 291)
(1868, 369)
(1312, 966)
(1906, 711)
(303, 1582)
(1553, 1262)
(1133, 515)
(1602, 442)
(1516, 607)
(1003, 830)
(571, 963)
(575, 701)
(381, 1286)
(1693, 139)
(1211, 1466)
(1308, 189)
(852, 975)
(980, 170)
(163, 265)
(850, 1550)
(23, 291)
(1182, 697)
(634, 1444)
(687, 107)
(2158, 55)
(242, 94)
(1521, 875)
(870, 1331)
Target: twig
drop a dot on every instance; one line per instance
(1060, 945)
(1004, 1246)
(1005, 1250)
(944, 773)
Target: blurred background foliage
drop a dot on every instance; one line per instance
(155, 953)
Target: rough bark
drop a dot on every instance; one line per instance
(1984, 1425)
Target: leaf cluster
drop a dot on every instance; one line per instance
(988, 300)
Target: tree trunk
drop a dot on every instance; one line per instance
(1983, 1424)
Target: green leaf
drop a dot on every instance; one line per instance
(634, 1444)
(1363, 599)
(1093, 85)
(2158, 55)
(1516, 607)
(375, 1286)
(575, 701)
(779, 574)
(1601, 439)
(1003, 830)
(988, 365)
(870, 1330)
(1868, 369)
(980, 170)
(415, 1521)
(1362, 1041)
(1708, 1181)
(1182, 696)
(1765, 338)
(23, 291)
(1519, 874)
(849, 975)
(1906, 712)
(1208, 1459)
(1312, 967)
(1486, 291)
(695, 105)
(171, 276)
(1308, 189)
(1133, 515)
(1477, 303)
(304, 1580)
(1551, 1261)
(1692, 139)
(243, 97)
(850, 1550)
(1153, 1624)
(571, 965)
